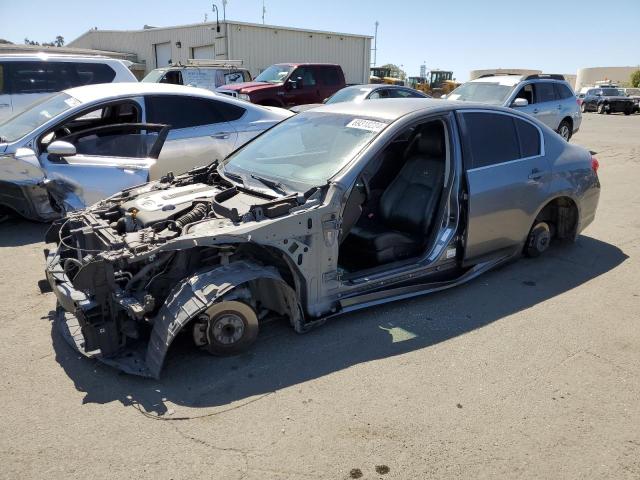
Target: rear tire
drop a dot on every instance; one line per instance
(583, 107)
(564, 130)
(226, 328)
(538, 240)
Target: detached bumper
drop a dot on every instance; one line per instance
(73, 321)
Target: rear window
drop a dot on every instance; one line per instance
(495, 138)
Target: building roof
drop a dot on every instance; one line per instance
(228, 22)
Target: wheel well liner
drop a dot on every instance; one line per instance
(563, 213)
(195, 293)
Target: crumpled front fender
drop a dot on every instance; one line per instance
(191, 297)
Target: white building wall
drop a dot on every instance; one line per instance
(260, 47)
(257, 46)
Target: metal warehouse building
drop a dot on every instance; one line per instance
(258, 46)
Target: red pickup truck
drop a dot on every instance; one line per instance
(289, 84)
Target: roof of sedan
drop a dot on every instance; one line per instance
(89, 93)
(392, 108)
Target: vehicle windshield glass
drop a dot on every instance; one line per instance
(613, 92)
(274, 74)
(483, 92)
(36, 115)
(304, 151)
(350, 94)
(154, 76)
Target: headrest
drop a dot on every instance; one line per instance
(430, 141)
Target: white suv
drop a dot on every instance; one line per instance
(25, 78)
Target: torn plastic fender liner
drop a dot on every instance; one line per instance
(193, 296)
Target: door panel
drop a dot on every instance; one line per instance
(187, 148)
(508, 178)
(6, 107)
(502, 200)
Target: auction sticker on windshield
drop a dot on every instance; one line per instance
(363, 124)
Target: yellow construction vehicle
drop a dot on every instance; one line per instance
(436, 83)
(383, 75)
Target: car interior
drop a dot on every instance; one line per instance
(392, 210)
(88, 134)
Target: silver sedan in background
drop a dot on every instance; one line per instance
(358, 93)
(78, 146)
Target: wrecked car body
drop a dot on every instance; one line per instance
(76, 147)
(336, 209)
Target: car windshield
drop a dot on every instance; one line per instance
(36, 115)
(491, 93)
(349, 94)
(304, 151)
(613, 92)
(274, 74)
(154, 76)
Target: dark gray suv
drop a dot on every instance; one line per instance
(547, 97)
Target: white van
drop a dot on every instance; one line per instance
(208, 74)
(25, 78)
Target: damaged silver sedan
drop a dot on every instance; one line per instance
(336, 209)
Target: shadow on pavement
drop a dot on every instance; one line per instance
(280, 358)
(17, 231)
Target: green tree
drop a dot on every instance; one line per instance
(59, 41)
(635, 79)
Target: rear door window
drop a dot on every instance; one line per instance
(491, 139)
(562, 91)
(402, 93)
(544, 92)
(2, 82)
(330, 76)
(31, 77)
(181, 111)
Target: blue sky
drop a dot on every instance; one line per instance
(555, 36)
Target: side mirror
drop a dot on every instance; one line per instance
(598, 94)
(443, 96)
(520, 102)
(61, 149)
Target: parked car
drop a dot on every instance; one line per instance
(549, 98)
(335, 209)
(633, 94)
(201, 73)
(76, 147)
(607, 100)
(358, 93)
(26, 78)
(288, 84)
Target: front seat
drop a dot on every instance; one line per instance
(407, 206)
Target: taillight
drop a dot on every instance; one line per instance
(595, 164)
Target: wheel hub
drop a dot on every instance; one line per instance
(228, 328)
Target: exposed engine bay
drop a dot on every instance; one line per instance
(121, 261)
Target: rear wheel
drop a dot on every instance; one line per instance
(583, 107)
(538, 240)
(564, 130)
(226, 328)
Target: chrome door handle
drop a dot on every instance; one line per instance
(221, 136)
